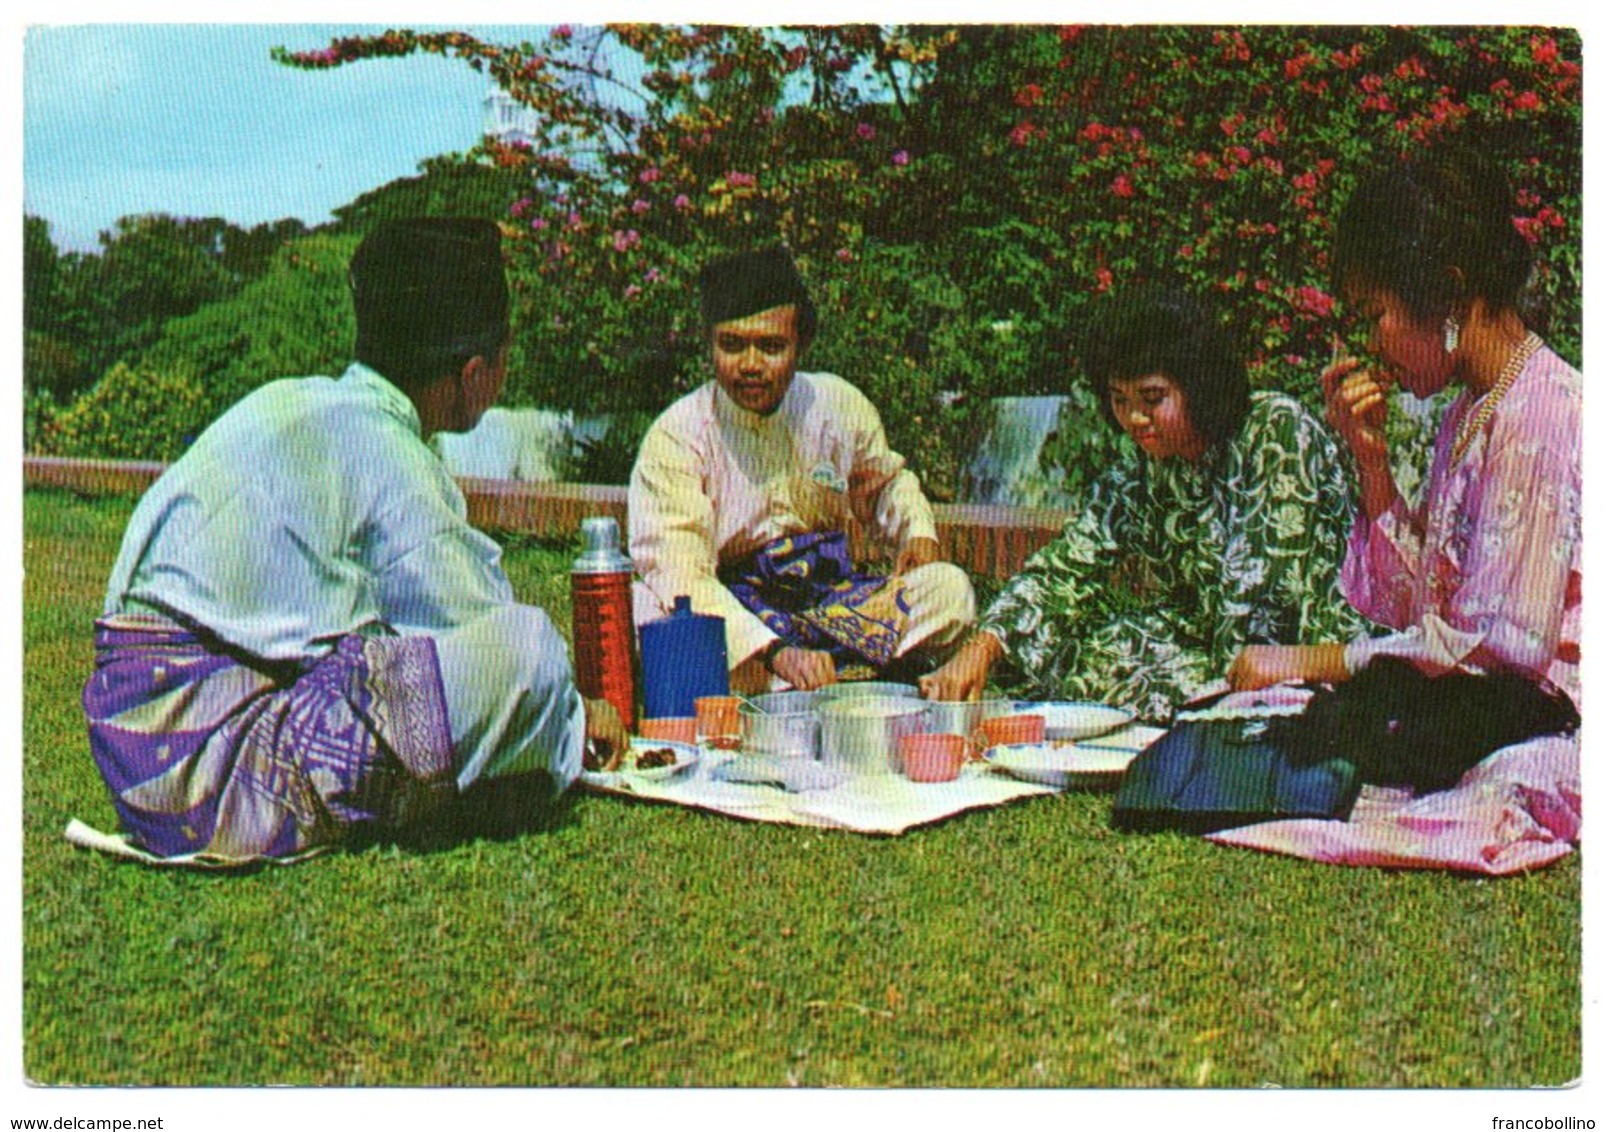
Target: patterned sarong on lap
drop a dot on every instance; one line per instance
(205, 753)
(805, 589)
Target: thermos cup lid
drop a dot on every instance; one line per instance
(599, 547)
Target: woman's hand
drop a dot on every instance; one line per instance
(606, 739)
(965, 674)
(1261, 666)
(1357, 408)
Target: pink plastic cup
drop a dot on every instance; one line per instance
(671, 729)
(932, 758)
(1008, 730)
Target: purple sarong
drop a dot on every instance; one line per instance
(205, 754)
(805, 590)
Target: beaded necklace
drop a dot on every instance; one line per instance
(1502, 385)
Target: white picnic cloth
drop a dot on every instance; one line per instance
(866, 803)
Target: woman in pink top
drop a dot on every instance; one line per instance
(1481, 575)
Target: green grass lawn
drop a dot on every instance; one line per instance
(632, 944)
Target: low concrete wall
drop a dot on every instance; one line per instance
(988, 540)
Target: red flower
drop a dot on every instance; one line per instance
(1029, 95)
(1023, 133)
(1544, 51)
(1531, 227)
(1527, 100)
(1122, 186)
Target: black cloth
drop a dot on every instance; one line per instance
(1401, 727)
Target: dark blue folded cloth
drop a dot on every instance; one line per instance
(1205, 775)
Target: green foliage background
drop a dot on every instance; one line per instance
(957, 197)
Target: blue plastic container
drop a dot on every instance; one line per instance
(682, 657)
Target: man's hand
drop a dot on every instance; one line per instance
(965, 675)
(804, 669)
(917, 552)
(1260, 666)
(606, 739)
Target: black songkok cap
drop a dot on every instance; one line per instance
(429, 282)
(744, 284)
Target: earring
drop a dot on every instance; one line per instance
(1452, 333)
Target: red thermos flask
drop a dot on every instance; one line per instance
(604, 634)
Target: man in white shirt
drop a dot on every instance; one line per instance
(303, 640)
(743, 488)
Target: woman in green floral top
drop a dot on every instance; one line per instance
(1227, 529)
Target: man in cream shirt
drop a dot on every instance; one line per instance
(743, 490)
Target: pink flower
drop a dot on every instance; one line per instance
(650, 174)
(538, 223)
(741, 180)
(1313, 301)
(624, 241)
(653, 275)
(843, 255)
(1122, 186)
(575, 221)
(1531, 227)
(682, 202)
(865, 130)
(1022, 133)
(562, 31)
(639, 206)
(520, 207)
(901, 157)
(632, 292)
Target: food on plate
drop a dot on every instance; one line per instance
(655, 757)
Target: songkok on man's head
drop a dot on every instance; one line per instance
(428, 285)
(749, 282)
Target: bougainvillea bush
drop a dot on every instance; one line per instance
(957, 196)
(937, 183)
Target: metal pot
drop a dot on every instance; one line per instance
(859, 733)
(851, 688)
(780, 725)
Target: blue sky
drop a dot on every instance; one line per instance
(197, 120)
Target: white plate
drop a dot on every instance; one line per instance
(684, 757)
(1075, 720)
(1059, 766)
